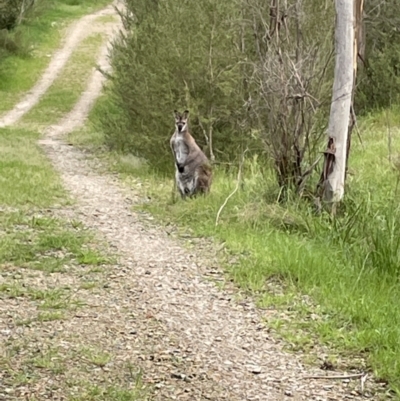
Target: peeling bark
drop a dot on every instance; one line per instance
(336, 155)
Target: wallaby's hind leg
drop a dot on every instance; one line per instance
(180, 186)
(204, 179)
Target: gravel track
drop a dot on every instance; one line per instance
(160, 311)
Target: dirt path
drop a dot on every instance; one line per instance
(75, 34)
(157, 310)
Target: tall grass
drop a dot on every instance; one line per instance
(350, 265)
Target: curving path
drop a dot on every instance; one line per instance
(193, 341)
(75, 34)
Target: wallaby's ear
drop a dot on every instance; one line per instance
(177, 115)
(185, 114)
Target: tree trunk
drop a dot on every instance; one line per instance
(335, 156)
(358, 51)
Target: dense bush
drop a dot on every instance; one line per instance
(252, 75)
(379, 80)
(291, 80)
(176, 56)
(221, 61)
(12, 12)
(9, 12)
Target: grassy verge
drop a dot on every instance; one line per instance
(46, 263)
(53, 270)
(52, 273)
(30, 46)
(339, 278)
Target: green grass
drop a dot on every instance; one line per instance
(49, 360)
(35, 40)
(95, 356)
(46, 262)
(279, 253)
(111, 393)
(30, 237)
(68, 87)
(26, 176)
(45, 243)
(54, 301)
(47, 316)
(88, 136)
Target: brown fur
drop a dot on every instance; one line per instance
(193, 170)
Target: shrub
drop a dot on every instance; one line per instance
(250, 78)
(12, 12)
(176, 56)
(379, 79)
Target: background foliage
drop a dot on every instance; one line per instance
(379, 83)
(241, 71)
(13, 11)
(176, 55)
(349, 265)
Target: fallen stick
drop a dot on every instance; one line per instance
(234, 191)
(351, 376)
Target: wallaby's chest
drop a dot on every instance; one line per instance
(181, 149)
(179, 141)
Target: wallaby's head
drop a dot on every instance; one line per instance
(181, 120)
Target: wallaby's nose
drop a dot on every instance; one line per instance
(180, 126)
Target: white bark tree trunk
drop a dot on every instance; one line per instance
(341, 100)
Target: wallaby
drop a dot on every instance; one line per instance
(192, 169)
